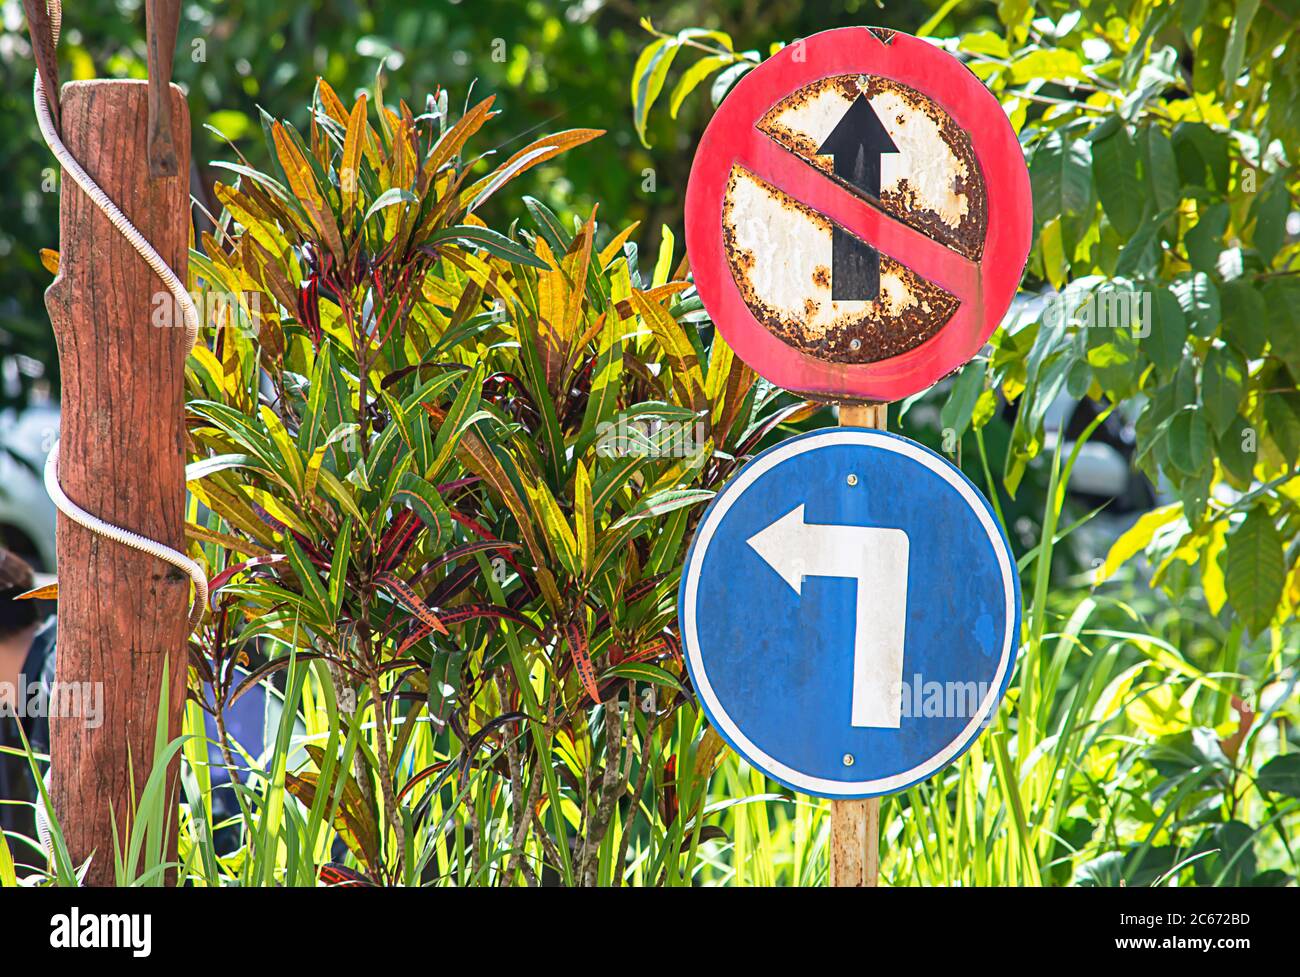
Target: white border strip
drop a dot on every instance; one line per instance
(699, 548)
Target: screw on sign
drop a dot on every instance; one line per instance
(858, 216)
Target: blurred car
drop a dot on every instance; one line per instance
(27, 515)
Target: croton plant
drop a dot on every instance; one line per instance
(440, 466)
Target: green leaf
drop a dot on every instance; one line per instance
(293, 469)
(1141, 57)
(1060, 175)
(644, 672)
(1233, 860)
(1205, 240)
(240, 429)
(1158, 711)
(1048, 64)
(197, 470)
(1194, 494)
(1281, 775)
(648, 80)
(493, 242)
(1140, 256)
(1202, 155)
(1056, 266)
(1207, 63)
(390, 198)
(312, 588)
(693, 75)
(1235, 53)
(1223, 381)
(957, 410)
(339, 568)
(329, 402)
(512, 168)
(317, 460)
(1118, 181)
(1233, 455)
(1254, 569)
(722, 84)
(8, 877)
(668, 543)
(937, 18)
(462, 414)
(584, 517)
(1167, 336)
(664, 260)
(1246, 320)
(558, 532)
(1282, 414)
(1191, 15)
(659, 503)
(1270, 211)
(549, 438)
(606, 380)
(984, 42)
(1137, 538)
(420, 495)
(612, 479)
(1161, 168)
(1189, 441)
(548, 225)
(1282, 300)
(1199, 300)
(1115, 364)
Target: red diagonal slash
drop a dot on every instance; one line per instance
(773, 163)
(984, 288)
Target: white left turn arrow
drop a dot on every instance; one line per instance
(877, 560)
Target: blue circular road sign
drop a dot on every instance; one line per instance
(850, 612)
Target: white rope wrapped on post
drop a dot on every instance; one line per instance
(188, 311)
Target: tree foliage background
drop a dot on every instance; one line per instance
(551, 63)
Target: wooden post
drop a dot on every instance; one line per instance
(855, 824)
(122, 614)
(162, 22)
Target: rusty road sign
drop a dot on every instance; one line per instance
(858, 216)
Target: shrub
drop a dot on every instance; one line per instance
(452, 470)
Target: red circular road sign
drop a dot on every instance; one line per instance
(858, 215)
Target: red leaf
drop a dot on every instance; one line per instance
(576, 632)
(461, 614)
(334, 874)
(224, 577)
(411, 600)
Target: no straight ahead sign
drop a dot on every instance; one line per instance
(858, 215)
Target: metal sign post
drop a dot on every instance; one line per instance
(854, 854)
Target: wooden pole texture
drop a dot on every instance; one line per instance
(162, 22)
(855, 824)
(122, 614)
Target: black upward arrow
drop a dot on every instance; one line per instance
(857, 142)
